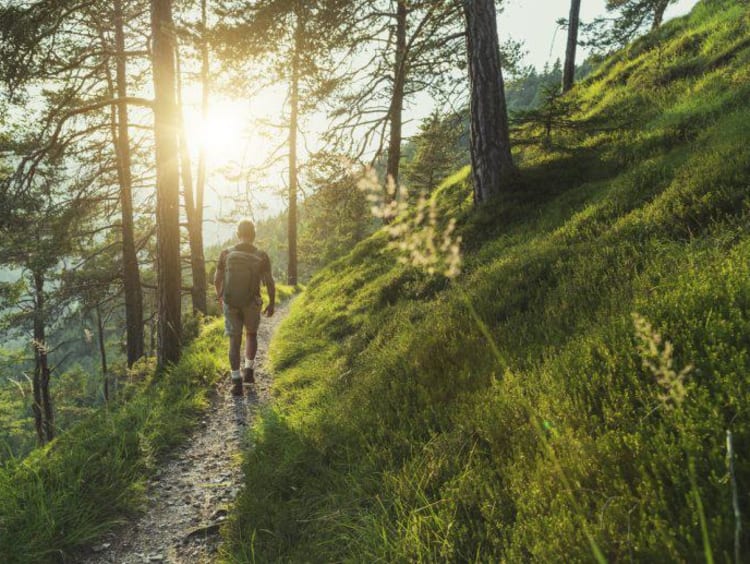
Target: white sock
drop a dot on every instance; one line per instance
(236, 375)
(249, 363)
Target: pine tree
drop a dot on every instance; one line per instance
(166, 126)
(628, 19)
(436, 152)
(569, 69)
(93, 103)
(493, 170)
(422, 54)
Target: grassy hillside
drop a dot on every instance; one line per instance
(521, 412)
(65, 495)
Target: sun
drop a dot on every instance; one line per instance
(222, 134)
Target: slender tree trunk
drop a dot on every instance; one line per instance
(569, 70)
(131, 276)
(397, 99)
(43, 411)
(36, 407)
(659, 10)
(293, 132)
(200, 182)
(195, 229)
(166, 125)
(102, 351)
(38, 344)
(492, 163)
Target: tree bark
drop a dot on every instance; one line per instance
(492, 163)
(659, 9)
(37, 344)
(166, 123)
(569, 69)
(131, 276)
(194, 228)
(43, 412)
(200, 181)
(397, 97)
(293, 133)
(102, 352)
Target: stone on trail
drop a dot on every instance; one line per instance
(199, 532)
(101, 547)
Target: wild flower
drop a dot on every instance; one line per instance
(418, 237)
(657, 357)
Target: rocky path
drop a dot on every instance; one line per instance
(190, 497)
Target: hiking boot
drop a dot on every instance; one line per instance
(237, 387)
(248, 375)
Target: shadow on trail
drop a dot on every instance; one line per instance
(243, 408)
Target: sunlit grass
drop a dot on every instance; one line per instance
(64, 496)
(411, 425)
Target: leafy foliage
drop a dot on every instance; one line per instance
(629, 19)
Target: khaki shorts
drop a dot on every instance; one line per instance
(235, 318)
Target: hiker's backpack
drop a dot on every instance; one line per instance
(242, 277)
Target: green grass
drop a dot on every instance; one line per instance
(64, 496)
(399, 433)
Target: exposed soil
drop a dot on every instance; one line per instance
(189, 498)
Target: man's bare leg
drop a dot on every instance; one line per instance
(251, 349)
(251, 346)
(235, 344)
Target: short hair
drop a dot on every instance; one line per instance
(246, 230)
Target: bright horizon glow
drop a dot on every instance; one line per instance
(237, 147)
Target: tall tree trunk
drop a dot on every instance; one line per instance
(569, 71)
(37, 344)
(492, 163)
(200, 181)
(36, 407)
(43, 413)
(659, 9)
(293, 132)
(166, 125)
(131, 276)
(195, 229)
(102, 351)
(397, 96)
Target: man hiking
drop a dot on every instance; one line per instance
(239, 273)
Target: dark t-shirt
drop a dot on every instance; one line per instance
(265, 267)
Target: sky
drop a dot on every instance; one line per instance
(233, 138)
(535, 22)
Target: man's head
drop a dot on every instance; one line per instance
(246, 231)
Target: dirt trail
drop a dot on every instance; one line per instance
(189, 498)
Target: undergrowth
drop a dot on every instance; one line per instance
(516, 413)
(64, 496)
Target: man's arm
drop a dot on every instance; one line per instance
(271, 287)
(219, 279)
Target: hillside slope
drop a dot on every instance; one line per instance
(521, 411)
